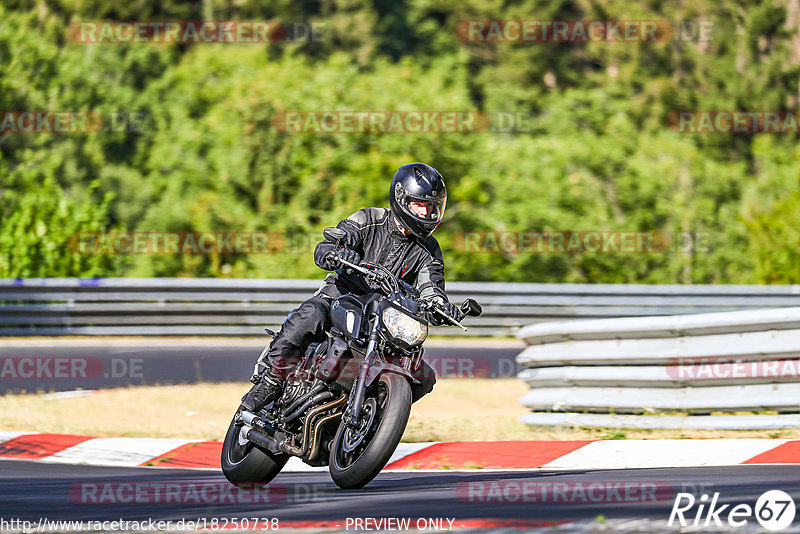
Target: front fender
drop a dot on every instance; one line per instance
(378, 368)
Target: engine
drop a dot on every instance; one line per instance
(300, 380)
(294, 390)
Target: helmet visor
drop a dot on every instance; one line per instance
(426, 209)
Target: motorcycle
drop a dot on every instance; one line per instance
(359, 377)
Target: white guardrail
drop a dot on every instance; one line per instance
(728, 370)
(243, 307)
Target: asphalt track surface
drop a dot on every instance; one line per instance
(35, 490)
(120, 364)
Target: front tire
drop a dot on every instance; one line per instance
(246, 464)
(358, 456)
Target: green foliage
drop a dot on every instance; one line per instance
(37, 225)
(599, 154)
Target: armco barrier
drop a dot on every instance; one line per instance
(243, 307)
(715, 370)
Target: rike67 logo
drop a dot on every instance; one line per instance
(774, 510)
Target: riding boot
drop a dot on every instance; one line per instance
(265, 390)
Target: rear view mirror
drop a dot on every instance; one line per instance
(471, 307)
(334, 235)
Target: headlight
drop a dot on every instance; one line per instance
(404, 327)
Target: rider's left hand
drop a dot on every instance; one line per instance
(450, 309)
(436, 318)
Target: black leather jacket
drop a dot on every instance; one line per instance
(373, 233)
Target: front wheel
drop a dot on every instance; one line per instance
(244, 463)
(358, 455)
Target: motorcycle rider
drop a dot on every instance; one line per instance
(399, 238)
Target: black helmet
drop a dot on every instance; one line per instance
(418, 182)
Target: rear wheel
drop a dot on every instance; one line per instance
(358, 454)
(244, 463)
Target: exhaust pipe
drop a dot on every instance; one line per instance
(265, 435)
(261, 433)
(262, 440)
(325, 395)
(319, 386)
(254, 420)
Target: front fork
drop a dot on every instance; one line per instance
(351, 419)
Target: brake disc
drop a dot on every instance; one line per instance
(354, 437)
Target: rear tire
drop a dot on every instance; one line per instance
(246, 464)
(392, 401)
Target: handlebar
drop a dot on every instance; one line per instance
(435, 307)
(353, 265)
(381, 274)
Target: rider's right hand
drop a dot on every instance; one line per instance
(331, 259)
(349, 255)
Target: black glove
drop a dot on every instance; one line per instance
(331, 261)
(349, 255)
(436, 319)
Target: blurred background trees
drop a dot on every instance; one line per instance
(599, 154)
